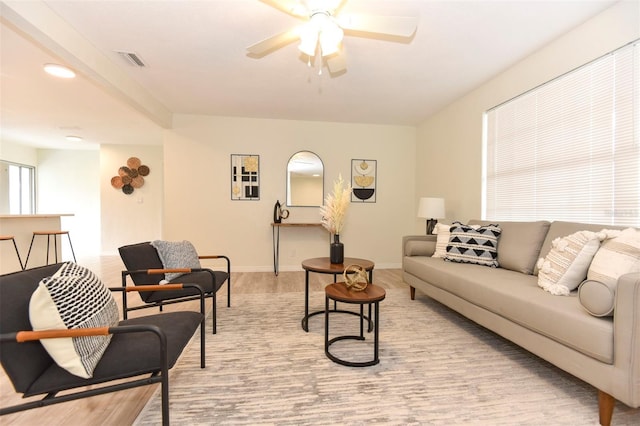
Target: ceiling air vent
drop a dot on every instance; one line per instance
(132, 58)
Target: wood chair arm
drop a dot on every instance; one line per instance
(27, 336)
(32, 335)
(169, 271)
(155, 271)
(157, 287)
(218, 256)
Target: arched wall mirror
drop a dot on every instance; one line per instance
(305, 180)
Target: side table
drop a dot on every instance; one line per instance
(322, 265)
(339, 292)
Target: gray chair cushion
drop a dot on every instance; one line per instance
(128, 354)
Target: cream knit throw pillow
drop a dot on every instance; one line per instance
(442, 233)
(567, 263)
(619, 255)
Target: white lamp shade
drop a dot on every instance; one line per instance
(431, 208)
(308, 39)
(330, 39)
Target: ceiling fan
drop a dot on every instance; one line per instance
(321, 35)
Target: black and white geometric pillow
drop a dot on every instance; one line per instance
(72, 298)
(473, 245)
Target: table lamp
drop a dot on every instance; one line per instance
(431, 209)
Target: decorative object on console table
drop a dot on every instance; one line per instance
(364, 180)
(431, 209)
(333, 215)
(279, 213)
(245, 177)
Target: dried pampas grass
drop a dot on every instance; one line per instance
(335, 207)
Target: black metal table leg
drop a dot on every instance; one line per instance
(371, 295)
(305, 319)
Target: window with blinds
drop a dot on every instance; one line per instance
(570, 148)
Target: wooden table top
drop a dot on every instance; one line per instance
(324, 266)
(340, 293)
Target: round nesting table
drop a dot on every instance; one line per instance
(339, 292)
(322, 265)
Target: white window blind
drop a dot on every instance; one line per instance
(570, 148)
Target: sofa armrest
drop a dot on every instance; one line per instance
(418, 245)
(627, 335)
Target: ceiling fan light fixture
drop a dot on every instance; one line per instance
(308, 39)
(330, 39)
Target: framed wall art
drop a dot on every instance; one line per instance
(245, 177)
(364, 180)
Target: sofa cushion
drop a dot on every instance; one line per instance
(468, 244)
(514, 255)
(566, 265)
(419, 248)
(597, 298)
(618, 256)
(176, 254)
(73, 298)
(517, 297)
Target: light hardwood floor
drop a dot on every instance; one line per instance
(122, 408)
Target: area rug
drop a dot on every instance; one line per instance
(436, 368)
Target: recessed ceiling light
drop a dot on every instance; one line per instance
(72, 138)
(59, 71)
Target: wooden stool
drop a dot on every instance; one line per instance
(55, 244)
(10, 237)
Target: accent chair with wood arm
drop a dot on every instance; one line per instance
(141, 350)
(144, 266)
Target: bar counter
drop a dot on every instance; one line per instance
(21, 226)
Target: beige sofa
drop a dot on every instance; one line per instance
(604, 351)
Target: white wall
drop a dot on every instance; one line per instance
(449, 147)
(197, 188)
(18, 153)
(68, 182)
(134, 217)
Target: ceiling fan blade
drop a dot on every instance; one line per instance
(270, 44)
(400, 26)
(337, 63)
(292, 7)
(339, 5)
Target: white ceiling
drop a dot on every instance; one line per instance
(197, 63)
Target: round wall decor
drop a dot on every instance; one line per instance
(130, 176)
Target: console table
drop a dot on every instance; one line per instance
(276, 239)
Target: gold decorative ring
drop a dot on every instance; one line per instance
(355, 277)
